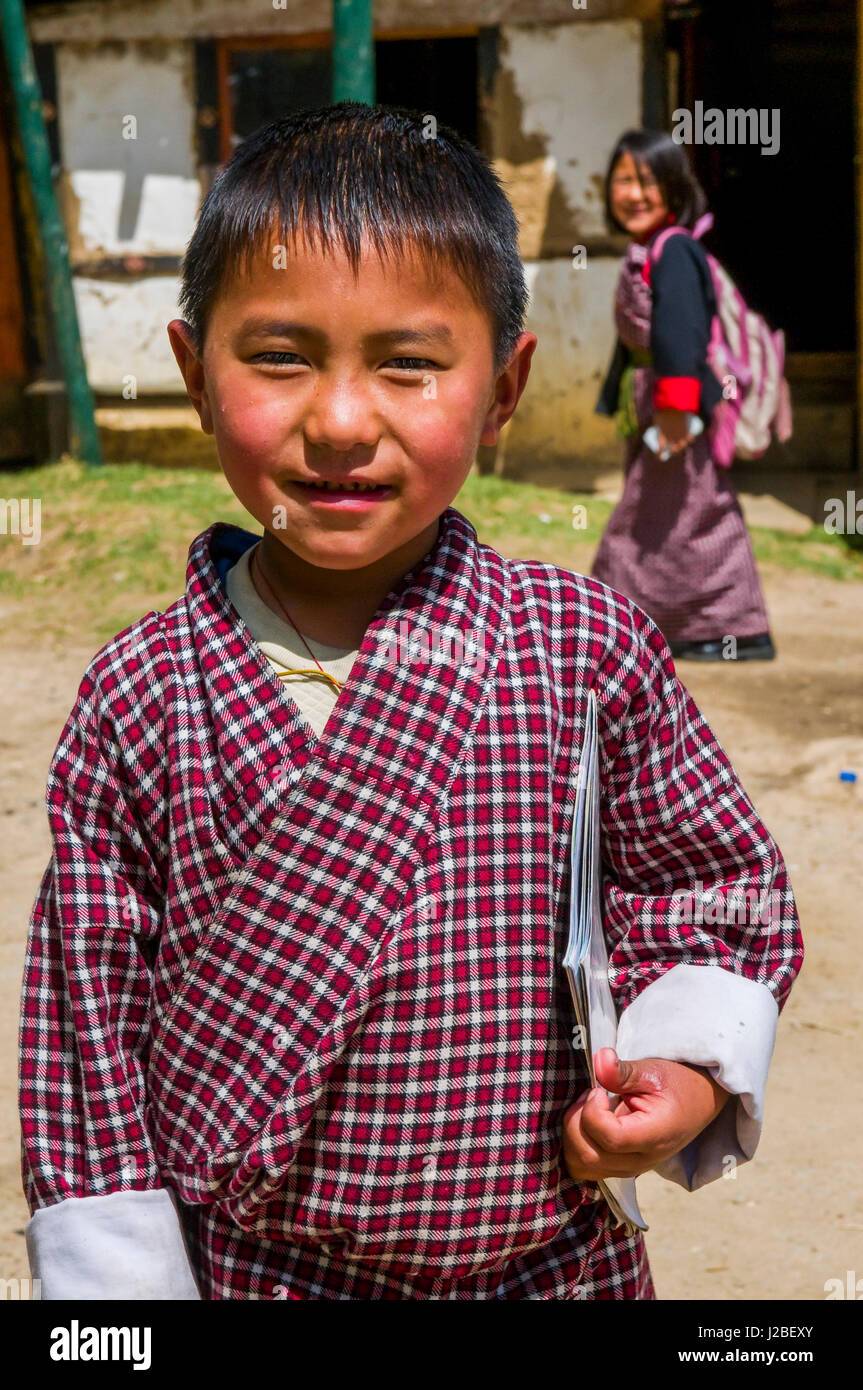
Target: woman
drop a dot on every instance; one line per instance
(676, 544)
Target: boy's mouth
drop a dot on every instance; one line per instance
(355, 492)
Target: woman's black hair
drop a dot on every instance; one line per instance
(668, 162)
(335, 173)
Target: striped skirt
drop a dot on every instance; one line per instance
(677, 546)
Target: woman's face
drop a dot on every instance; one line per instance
(636, 198)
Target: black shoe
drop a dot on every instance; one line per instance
(697, 651)
(758, 648)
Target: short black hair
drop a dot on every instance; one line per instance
(669, 164)
(336, 172)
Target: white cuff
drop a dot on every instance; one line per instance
(123, 1245)
(711, 1018)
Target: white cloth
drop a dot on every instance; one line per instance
(723, 1022)
(120, 1245)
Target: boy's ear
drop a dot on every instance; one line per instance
(508, 388)
(191, 369)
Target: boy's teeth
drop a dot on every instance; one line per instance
(347, 487)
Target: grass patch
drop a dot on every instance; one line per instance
(115, 540)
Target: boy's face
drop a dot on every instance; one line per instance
(308, 375)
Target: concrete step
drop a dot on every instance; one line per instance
(162, 434)
(791, 500)
(823, 438)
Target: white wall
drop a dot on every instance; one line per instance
(554, 427)
(123, 332)
(127, 197)
(577, 86)
(564, 94)
(133, 194)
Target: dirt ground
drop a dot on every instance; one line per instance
(791, 1219)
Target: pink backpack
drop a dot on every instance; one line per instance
(749, 361)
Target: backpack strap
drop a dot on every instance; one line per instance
(703, 225)
(657, 245)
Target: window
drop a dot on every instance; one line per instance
(260, 80)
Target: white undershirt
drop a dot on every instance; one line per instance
(283, 649)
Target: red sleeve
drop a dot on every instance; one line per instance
(87, 984)
(677, 393)
(665, 769)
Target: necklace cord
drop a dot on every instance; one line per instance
(326, 675)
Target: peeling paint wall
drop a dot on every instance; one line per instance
(124, 334)
(127, 196)
(126, 113)
(561, 97)
(555, 438)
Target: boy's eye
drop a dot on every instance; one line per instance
(286, 358)
(280, 358)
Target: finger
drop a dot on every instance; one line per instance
(616, 1166)
(611, 1133)
(598, 1124)
(584, 1163)
(623, 1077)
(578, 1150)
(575, 1107)
(581, 1157)
(587, 1161)
(612, 1072)
(582, 1160)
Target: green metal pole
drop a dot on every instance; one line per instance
(353, 51)
(37, 157)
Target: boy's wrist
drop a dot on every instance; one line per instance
(720, 1094)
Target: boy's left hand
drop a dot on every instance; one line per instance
(657, 1108)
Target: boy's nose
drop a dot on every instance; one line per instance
(341, 415)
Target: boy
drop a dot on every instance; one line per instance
(295, 1024)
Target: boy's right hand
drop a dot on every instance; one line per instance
(658, 1107)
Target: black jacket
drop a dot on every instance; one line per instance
(683, 306)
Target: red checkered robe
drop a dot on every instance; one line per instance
(314, 987)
